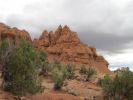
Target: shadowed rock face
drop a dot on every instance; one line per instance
(7, 32)
(64, 44)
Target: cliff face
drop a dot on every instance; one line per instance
(7, 32)
(64, 44)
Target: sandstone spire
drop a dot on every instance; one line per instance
(44, 34)
(66, 28)
(65, 45)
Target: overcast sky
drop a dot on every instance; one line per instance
(105, 24)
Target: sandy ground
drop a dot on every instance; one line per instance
(73, 90)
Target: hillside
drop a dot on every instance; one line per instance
(64, 45)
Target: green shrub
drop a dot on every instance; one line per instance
(119, 87)
(56, 64)
(83, 69)
(107, 87)
(21, 73)
(43, 63)
(6, 48)
(58, 78)
(88, 72)
(70, 71)
(59, 74)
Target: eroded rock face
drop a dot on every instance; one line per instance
(7, 32)
(64, 44)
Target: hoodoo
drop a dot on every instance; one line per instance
(65, 45)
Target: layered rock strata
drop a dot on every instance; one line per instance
(65, 45)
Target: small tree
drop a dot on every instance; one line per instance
(43, 63)
(88, 72)
(119, 87)
(21, 75)
(107, 87)
(6, 48)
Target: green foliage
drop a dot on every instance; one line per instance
(58, 78)
(107, 87)
(43, 64)
(6, 48)
(61, 72)
(119, 87)
(21, 74)
(83, 69)
(70, 71)
(88, 72)
(56, 64)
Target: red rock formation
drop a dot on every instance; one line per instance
(13, 33)
(54, 96)
(64, 44)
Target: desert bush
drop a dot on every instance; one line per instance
(58, 78)
(21, 73)
(6, 48)
(70, 71)
(119, 87)
(82, 69)
(88, 72)
(56, 64)
(59, 74)
(108, 89)
(43, 63)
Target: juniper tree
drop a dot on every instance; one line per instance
(21, 72)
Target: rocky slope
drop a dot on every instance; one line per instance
(65, 45)
(14, 33)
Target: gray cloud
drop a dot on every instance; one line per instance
(106, 24)
(112, 43)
